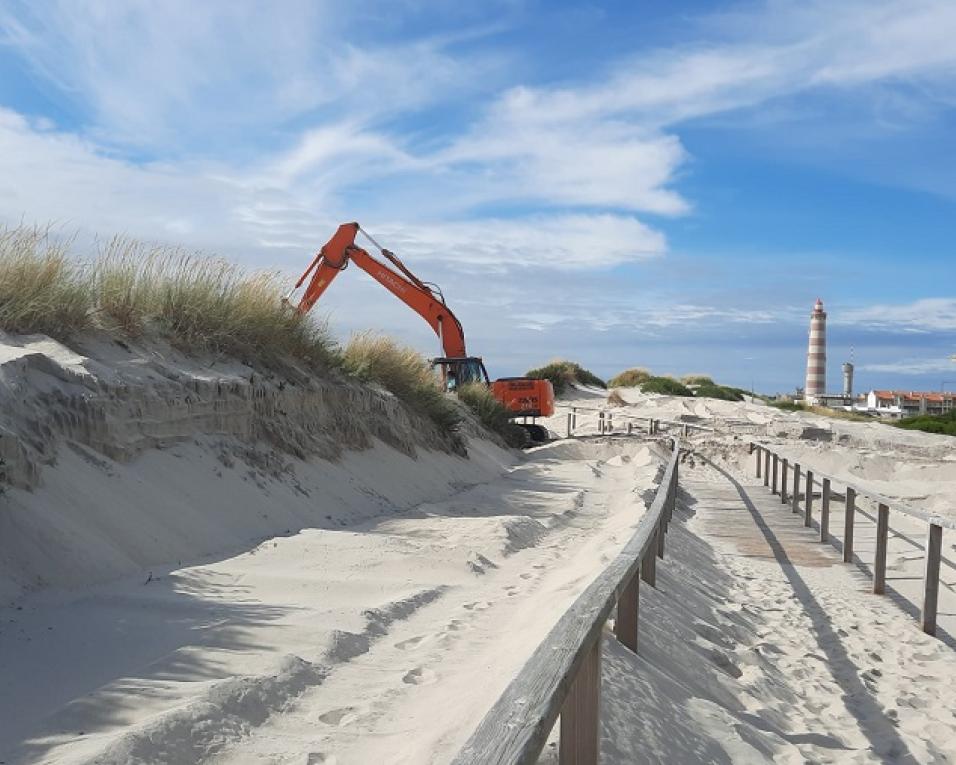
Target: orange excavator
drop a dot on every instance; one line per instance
(522, 396)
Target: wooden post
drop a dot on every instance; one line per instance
(758, 461)
(569, 424)
(581, 713)
(660, 537)
(766, 467)
(629, 427)
(610, 422)
(625, 625)
(879, 564)
(808, 503)
(649, 564)
(825, 511)
(574, 418)
(773, 482)
(601, 423)
(848, 524)
(783, 481)
(795, 499)
(934, 546)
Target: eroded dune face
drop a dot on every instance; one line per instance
(120, 401)
(118, 458)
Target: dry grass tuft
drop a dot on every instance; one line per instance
(492, 413)
(42, 289)
(629, 378)
(198, 302)
(402, 371)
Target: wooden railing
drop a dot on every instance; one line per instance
(775, 469)
(608, 421)
(563, 676)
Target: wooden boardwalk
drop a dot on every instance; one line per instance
(744, 517)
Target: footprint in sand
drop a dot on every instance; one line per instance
(339, 717)
(404, 645)
(320, 758)
(478, 605)
(420, 676)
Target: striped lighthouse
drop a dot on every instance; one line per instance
(816, 384)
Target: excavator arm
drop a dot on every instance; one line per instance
(427, 302)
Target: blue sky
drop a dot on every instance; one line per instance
(668, 185)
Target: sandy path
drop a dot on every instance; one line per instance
(383, 642)
(759, 645)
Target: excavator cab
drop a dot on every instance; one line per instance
(457, 372)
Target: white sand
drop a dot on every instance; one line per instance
(200, 564)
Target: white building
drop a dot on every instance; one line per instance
(898, 403)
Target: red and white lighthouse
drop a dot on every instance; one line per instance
(816, 384)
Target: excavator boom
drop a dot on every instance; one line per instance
(334, 258)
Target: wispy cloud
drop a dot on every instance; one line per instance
(912, 367)
(926, 315)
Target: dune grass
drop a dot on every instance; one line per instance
(402, 371)
(42, 289)
(697, 379)
(198, 302)
(492, 413)
(629, 378)
(563, 374)
(666, 385)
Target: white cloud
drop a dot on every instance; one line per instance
(178, 75)
(911, 366)
(926, 315)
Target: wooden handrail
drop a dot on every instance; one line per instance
(897, 504)
(563, 674)
(936, 524)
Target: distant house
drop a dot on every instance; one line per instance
(898, 403)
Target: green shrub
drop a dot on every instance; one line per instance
(667, 385)
(718, 391)
(629, 378)
(492, 413)
(404, 372)
(944, 424)
(697, 380)
(42, 289)
(789, 406)
(563, 374)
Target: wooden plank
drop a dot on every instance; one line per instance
(808, 500)
(848, 524)
(825, 511)
(795, 500)
(581, 714)
(783, 481)
(934, 548)
(628, 608)
(879, 564)
(773, 482)
(517, 727)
